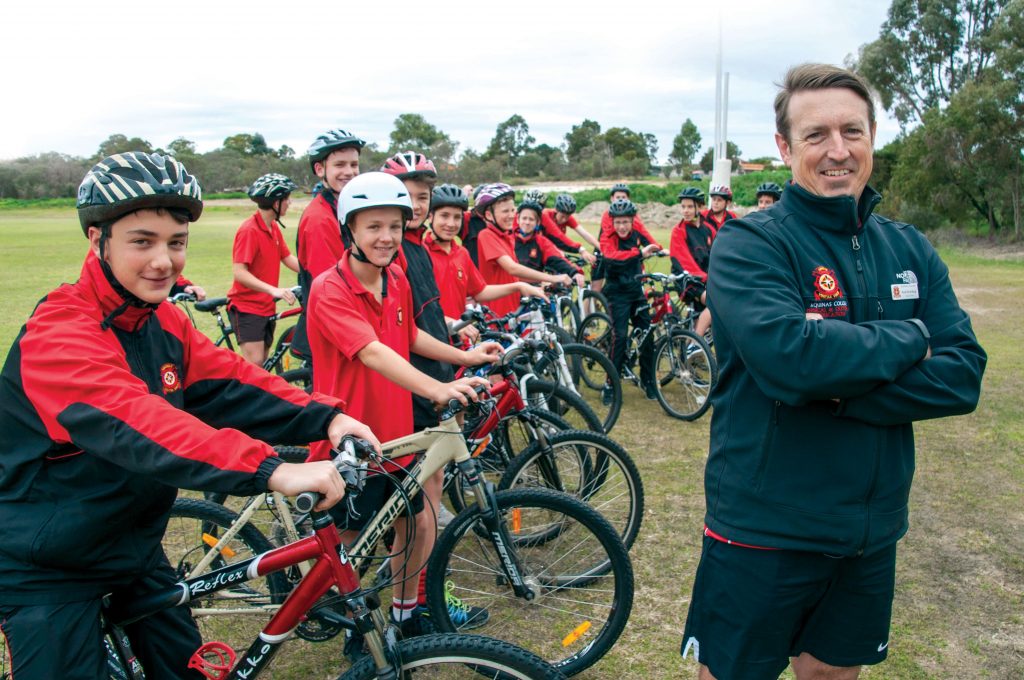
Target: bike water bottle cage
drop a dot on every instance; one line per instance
(214, 660)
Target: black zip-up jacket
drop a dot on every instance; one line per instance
(791, 467)
(535, 251)
(429, 317)
(623, 262)
(99, 428)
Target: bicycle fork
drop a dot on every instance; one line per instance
(497, 529)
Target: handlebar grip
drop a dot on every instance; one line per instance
(348, 466)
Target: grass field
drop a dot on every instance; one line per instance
(959, 610)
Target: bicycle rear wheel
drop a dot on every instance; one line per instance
(234, 615)
(590, 467)
(596, 331)
(685, 372)
(550, 396)
(452, 657)
(591, 372)
(572, 559)
(595, 301)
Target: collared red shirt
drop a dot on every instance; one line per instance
(344, 317)
(457, 276)
(491, 245)
(261, 248)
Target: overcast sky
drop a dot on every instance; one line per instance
(77, 72)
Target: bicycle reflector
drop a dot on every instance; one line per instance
(576, 633)
(214, 660)
(212, 542)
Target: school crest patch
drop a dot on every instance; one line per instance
(399, 316)
(826, 285)
(169, 379)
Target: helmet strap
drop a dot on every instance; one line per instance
(130, 299)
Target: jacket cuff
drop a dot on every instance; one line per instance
(265, 470)
(917, 323)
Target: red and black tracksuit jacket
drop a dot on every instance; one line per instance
(536, 251)
(708, 219)
(100, 427)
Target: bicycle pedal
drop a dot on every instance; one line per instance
(214, 660)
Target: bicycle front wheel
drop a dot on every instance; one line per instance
(593, 378)
(685, 371)
(589, 466)
(563, 402)
(452, 657)
(571, 558)
(234, 615)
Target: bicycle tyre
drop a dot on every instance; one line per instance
(591, 370)
(460, 656)
(301, 377)
(597, 301)
(596, 330)
(191, 521)
(544, 394)
(283, 339)
(500, 450)
(569, 624)
(569, 316)
(685, 372)
(607, 480)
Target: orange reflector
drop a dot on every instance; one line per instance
(481, 446)
(517, 520)
(576, 633)
(212, 542)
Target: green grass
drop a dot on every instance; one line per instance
(959, 609)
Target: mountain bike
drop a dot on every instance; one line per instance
(528, 556)
(332, 575)
(685, 368)
(292, 368)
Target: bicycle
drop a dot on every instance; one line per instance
(685, 368)
(528, 549)
(588, 300)
(446, 655)
(279, 361)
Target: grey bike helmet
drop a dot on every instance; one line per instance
(622, 208)
(564, 203)
(693, 193)
(332, 140)
(769, 189)
(536, 196)
(448, 195)
(619, 186)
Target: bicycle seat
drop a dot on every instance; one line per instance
(210, 304)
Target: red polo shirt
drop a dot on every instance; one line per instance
(344, 318)
(457, 276)
(319, 241)
(491, 244)
(261, 248)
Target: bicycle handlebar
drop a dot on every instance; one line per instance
(455, 406)
(352, 472)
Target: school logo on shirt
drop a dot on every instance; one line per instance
(398, 316)
(826, 285)
(458, 273)
(169, 378)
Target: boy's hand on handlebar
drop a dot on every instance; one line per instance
(526, 290)
(321, 476)
(581, 280)
(470, 333)
(564, 279)
(198, 291)
(284, 294)
(462, 390)
(650, 249)
(342, 425)
(590, 259)
(484, 353)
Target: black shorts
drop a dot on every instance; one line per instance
(753, 609)
(252, 327)
(597, 272)
(376, 491)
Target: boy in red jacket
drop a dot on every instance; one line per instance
(110, 400)
(690, 249)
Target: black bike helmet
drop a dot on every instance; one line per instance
(619, 186)
(693, 193)
(564, 203)
(769, 189)
(271, 186)
(448, 195)
(622, 208)
(332, 140)
(130, 181)
(530, 205)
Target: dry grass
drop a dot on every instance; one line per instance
(959, 610)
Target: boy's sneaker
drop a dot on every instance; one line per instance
(444, 517)
(607, 394)
(651, 392)
(415, 625)
(463, 615)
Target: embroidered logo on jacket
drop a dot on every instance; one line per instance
(398, 316)
(169, 378)
(458, 273)
(826, 285)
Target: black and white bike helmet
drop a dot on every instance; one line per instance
(272, 186)
(332, 140)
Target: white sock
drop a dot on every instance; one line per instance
(401, 610)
